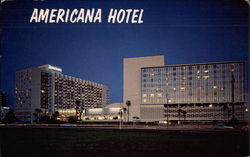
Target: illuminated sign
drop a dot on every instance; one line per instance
(54, 68)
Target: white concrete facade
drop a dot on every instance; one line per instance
(187, 92)
(132, 80)
(46, 88)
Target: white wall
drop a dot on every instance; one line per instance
(132, 80)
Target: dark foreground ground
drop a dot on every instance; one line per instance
(79, 142)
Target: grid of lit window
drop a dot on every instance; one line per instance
(68, 90)
(23, 90)
(193, 83)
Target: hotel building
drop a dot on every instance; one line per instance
(191, 92)
(4, 99)
(46, 88)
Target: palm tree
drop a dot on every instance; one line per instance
(124, 114)
(128, 103)
(78, 110)
(10, 117)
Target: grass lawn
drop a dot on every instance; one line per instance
(114, 142)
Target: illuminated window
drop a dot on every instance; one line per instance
(183, 78)
(144, 100)
(169, 100)
(198, 77)
(152, 95)
(159, 94)
(206, 71)
(144, 95)
(182, 88)
(232, 70)
(215, 87)
(174, 88)
(205, 77)
(198, 72)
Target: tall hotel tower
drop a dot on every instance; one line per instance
(190, 92)
(46, 88)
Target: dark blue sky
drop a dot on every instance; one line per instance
(184, 31)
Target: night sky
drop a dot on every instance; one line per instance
(184, 31)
